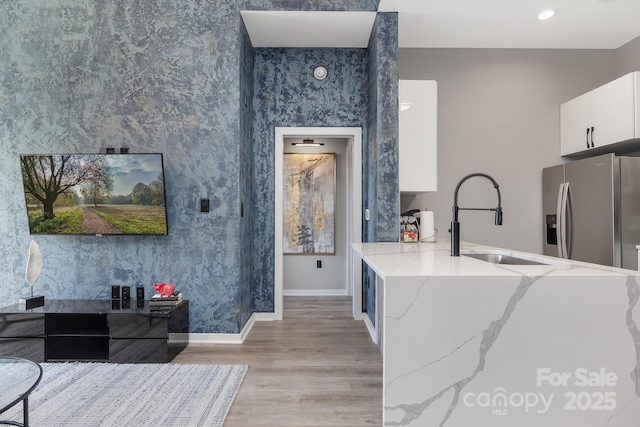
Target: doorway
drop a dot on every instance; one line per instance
(322, 273)
(353, 169)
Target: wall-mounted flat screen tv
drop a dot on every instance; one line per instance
(96, 194)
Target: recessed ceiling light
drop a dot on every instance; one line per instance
(405, 106)
(546, 14)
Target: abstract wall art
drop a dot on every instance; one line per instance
(309, 203)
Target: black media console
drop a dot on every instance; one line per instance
(91, 330)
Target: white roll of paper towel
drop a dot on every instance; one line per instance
(426, 230)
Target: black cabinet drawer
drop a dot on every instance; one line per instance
(137, 326)
(26, 348)
(21, 325)
(138, 351)
(77, 324)
(77, 347)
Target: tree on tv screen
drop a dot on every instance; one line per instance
(48, 177)
(152, 194)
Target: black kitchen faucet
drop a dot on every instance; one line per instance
(455, 225)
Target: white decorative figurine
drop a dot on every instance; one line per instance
(34, 268)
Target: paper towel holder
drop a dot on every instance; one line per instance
(427, 231)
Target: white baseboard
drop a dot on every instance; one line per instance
(202, 338)
(265, 317)
(372, 329)
(360, 316)
(314, 292)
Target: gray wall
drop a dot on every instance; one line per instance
(499, 113)
(627, 58)
(300, 272)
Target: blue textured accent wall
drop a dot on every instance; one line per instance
(155, 77)
(383, 117)
(381, 192)
(246, 176)
(178, 77)
(287, 94)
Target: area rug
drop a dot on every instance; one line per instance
(103, 394)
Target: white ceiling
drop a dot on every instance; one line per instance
(579, 24)
(308, 29)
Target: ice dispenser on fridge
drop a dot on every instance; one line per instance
(551, 235)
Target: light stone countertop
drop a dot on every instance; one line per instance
(467, 342)
(434, 259)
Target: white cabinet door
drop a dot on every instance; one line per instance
(613, 112)
(606, 115)
(575, 120)
(418, 133)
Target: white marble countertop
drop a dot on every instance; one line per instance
(434, 259)
(458, 334)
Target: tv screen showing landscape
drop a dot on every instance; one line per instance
(97, 194)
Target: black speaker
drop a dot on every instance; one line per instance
(115, 304)
(126, 293)
(115, 292)
(126, 303)
(140, 297)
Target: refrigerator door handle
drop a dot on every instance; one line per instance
(564, 219)
(568, 230)
(560, 218)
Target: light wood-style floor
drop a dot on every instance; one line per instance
(316, 367)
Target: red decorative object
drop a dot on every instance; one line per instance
(164, 289)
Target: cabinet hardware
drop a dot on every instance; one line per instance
(592, 131)
(587, 137)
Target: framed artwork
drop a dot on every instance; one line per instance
(309, 199)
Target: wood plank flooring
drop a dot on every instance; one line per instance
(316, 367)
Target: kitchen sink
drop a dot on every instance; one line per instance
(498, 258)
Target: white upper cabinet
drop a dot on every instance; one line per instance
(605, 116)
(418, 136)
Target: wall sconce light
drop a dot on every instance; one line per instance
(307, 143)
(405, 106)
(320, 73)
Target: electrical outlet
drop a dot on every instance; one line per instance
(204, 205)
(319, 264)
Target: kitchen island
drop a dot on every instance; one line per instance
(467, 342)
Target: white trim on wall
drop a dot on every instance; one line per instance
(354, 227)
(201, 338)
(314, 292)
(354, 209)
(376, 330)
(372, 329)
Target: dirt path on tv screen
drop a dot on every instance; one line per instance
(92, 223)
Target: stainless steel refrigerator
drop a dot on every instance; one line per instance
(591, 210)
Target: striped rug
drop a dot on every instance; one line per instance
(103, 394)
